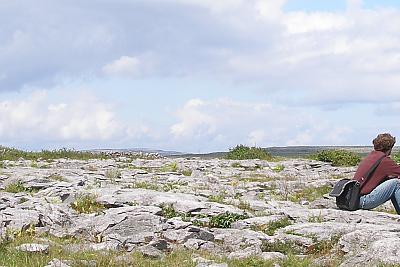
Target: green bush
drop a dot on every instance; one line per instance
(338, 157)
(87, 204)
(7, 153)
(396, 157)
(16, 187)
(241, 152)
(225, 220)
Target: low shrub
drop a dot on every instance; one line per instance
(171, 167)
(112, 174)
(278, 168)
(338, 157)
(87, 204)
(241, 152)
(7, 153)
(18, 187)
(396, 157)
(225, 220)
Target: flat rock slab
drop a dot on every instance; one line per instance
(33, 248)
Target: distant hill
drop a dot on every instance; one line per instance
(289, 151)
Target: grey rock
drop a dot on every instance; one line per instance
(33, 248)
(201, 262)
(273, 256)
(57, 263)
(160, 244)
(245, 253)
(150, 252)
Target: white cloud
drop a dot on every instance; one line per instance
(270, 9)
(317, 54)
(224, 122)
(124, 66)
(194, 123)
(36, 118)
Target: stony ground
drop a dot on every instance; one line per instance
(216, 212)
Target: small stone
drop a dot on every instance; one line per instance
(245, 253)
(33, 248)
(57, 263)
(194, 244)
(150, 252)
(201, 262)
(273, 256)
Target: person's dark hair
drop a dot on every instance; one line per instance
(384, 142)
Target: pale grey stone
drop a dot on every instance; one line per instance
(57, 263)
(150, 252)
(273, 256)
(245, 253)
(33, 248)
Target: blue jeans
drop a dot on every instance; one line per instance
(389, 189)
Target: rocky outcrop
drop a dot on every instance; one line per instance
(235, 209)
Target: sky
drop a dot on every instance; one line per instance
(198, 75)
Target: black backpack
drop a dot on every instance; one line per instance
(347, 191)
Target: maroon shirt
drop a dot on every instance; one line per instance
(386, 170)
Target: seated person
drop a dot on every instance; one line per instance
(384, 183)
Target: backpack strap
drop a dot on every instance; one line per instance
(370, 172)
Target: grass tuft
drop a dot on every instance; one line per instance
(310, 193)
(87, 204)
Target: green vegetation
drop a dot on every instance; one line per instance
(15, 187)
(338, 157)
(225, 220)
(7, 153)
(278, 168)
(186, 172)
(244, 205)
(18, 187)
(310, 193)
(242, 152)
(145, 185)
(236, 165)
(112, 174)
(272, 226)
(168, 211)
(316, 219)
(275, 225)
(87, 204)
(220, 198)
(172, 167)
(9, 256)
(56, 177)
(323, 247)
(287, 248)
(396, 157)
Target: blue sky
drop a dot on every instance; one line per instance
(198, 75)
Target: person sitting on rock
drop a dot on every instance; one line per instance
(384, 183)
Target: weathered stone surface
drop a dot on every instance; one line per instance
(150, 252)
(145, 193)
(201, 262)
(246, 253)
(33, 248)
(273, 256)
(57, 263)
